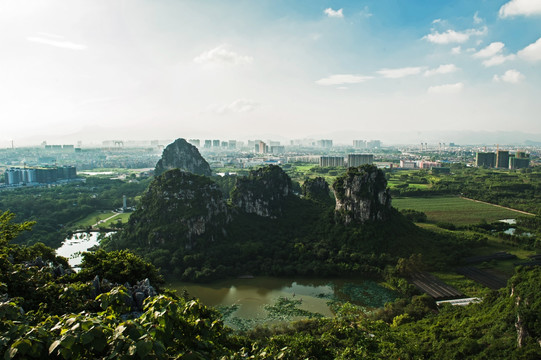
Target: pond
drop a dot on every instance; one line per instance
(262, 300)
(74, 246)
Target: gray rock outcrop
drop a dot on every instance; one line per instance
(182, 155)
(362, 195)
(316, 189)
(263, 192)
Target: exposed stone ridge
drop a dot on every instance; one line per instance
(263, 191)
(179, 209)
(182, 155)
(316, 189)
(362, 195)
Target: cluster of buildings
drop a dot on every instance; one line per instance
(419, 164)
(43, 175)
(353, 160)
(364, 144)
(502, 159)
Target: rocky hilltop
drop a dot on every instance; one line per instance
(362, 195)
(182, 155)
(179, 209)
(263, 192)
(316, 189)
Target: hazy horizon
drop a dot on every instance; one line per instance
(412, 71)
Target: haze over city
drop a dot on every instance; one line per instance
(401, 72)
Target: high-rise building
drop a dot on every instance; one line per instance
(521, 160)
(216, 143)
(46, 175)
(325, 143)
(502, 159)
(208, 144)
(263, 148)
(359, 144)
(232, 144)
(325, 161)
(487, 159)
(373, 144)
(355, 160)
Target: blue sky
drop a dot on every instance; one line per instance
(146, 69)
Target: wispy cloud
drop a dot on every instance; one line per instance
(520, 7)
(451, 36)
(238, 106)
(531, 52)
(442, 69)
(340, 79)
(365, 12)
(476, 18)
(400, 72)
(446, 88)
(456, 50)
(489, 51)
(334, 13)
(55, 40)
(221, 55)
(510, 76)
(498, 60)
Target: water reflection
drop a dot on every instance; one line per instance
(249, 297)
(73, 247)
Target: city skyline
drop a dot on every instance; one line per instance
(239, 69)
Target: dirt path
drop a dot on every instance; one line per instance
(503, 207)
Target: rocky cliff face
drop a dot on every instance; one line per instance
(179, 209)
(316, 189)
(182, 155)
(362, 195)
(263, 191)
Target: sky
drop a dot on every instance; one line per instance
(162, 69)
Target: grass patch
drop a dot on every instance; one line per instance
(453, 209)
(97, 216)
(467, 286)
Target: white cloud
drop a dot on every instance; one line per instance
(399, 73)
(442, 69)
(334, 13)
(221, 55)
(511, 76)
(237, 106)
(55, 40)
(531, 52)
(452, 36)
(446, 89)
(456, 50)
(340, 79)
(476, 18)
(489, 51)
(520, 7)
(435, 21)
(498, 60)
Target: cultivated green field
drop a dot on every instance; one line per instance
(454, 210)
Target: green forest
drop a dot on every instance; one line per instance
(48, 311)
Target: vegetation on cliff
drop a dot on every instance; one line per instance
(185, 227)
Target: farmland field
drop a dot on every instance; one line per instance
(454, 209)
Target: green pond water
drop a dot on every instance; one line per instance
(245, 303)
